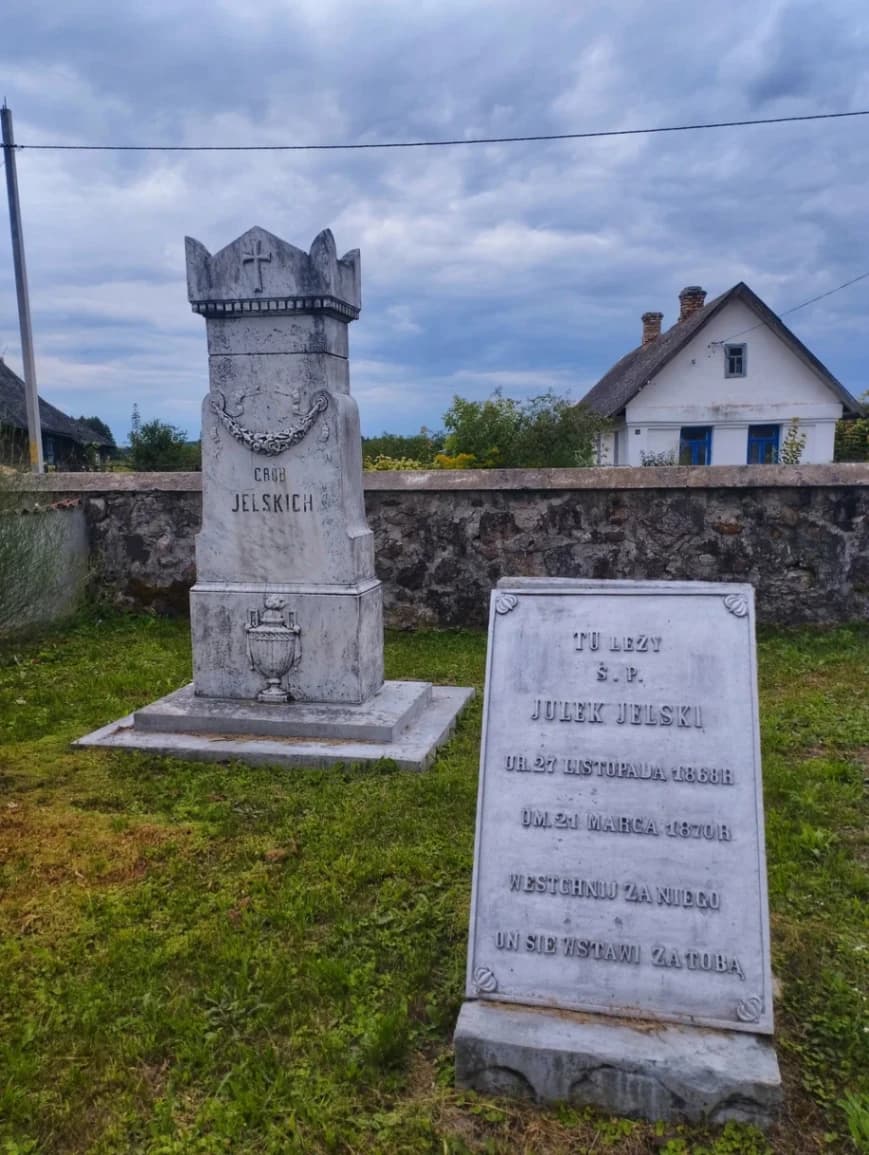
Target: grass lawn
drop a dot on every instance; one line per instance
(199, 958)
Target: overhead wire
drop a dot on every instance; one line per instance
(794, 308)
(474, 140)
(534, 138)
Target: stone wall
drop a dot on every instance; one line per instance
(799, 534)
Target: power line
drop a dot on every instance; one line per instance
(438, 143)
(795, 308)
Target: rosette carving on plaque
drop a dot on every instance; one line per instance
(273, 646)
(485, 982)
(270, 444)
(504, 603)
(736, 604)
(748, 1010)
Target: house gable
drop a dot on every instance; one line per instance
(778, 384)
(63, 438)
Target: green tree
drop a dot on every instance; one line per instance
(158, 447)
(544, 431)
(485, 430)
(420, 446)
(99, 426)
(852, 436)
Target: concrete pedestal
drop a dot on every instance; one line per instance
(636, 1069)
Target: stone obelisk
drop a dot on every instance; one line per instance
(284, 541)
(287, 614)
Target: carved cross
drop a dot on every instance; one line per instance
(257, 256)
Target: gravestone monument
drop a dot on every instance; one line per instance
(286, 613)
(619, 939)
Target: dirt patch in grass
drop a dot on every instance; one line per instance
(55, 848)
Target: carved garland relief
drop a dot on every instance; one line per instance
(270, 444)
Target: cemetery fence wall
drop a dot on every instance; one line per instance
(799, 534)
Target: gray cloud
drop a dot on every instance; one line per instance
(523, 266)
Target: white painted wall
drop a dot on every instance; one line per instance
(693, 390)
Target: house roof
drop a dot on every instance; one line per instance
(13, 411)
(636, 369)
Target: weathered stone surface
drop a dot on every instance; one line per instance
(142, 546)
(340, 646)
(803, 548)
(444, 539)
(286, 610)
(641, 1070)
(297, 516)
(283, 513)
(413, 749)
(382, 718)
(307, 334)
(258, 269)
(619, 863)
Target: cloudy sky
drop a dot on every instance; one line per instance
(524, 266)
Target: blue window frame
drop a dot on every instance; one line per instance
(763, 444)
(695, 445)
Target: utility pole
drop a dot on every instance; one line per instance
(34, 431)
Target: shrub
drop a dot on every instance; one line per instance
(792, 447)
(852, 440)
(158, 447)
(458, 461)
(661, 457)
(541, 432)
(381, 463)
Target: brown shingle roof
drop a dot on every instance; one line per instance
(13, 411)
(627, 377)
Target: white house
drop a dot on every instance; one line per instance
(720, 387)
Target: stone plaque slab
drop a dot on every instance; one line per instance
(619, 864)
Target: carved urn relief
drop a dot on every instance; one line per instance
(273, 646)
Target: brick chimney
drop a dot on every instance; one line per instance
(651, 327)
(691, 299)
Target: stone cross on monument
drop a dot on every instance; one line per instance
(257, 257)
(287, 613)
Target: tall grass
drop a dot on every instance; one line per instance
(31, 553)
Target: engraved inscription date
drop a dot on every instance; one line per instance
(559, 820)
(533, 818)
(710, 831)
(618, 768)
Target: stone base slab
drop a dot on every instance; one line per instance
(428, 723)
(639, 1070)
(381, 719)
